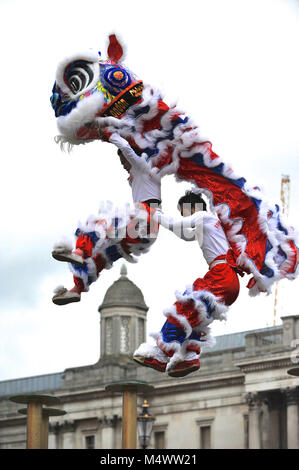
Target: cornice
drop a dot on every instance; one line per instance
(264, 363)
(14, 420)
(203, 383)
(162, 388)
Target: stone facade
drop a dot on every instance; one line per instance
(242, 397)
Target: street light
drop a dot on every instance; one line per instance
(145, 423)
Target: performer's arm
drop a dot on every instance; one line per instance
(126, 150)
(183, 228)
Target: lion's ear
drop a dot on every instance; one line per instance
(115, 50)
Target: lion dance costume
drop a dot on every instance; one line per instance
(92, 94)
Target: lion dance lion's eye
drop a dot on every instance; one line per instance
(78, 76)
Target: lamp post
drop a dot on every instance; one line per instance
(145, 423)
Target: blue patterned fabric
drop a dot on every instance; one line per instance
(172, 333)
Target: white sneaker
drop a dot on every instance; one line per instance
(189, 364)
(151, 356)
(61, 254)
(63, 297)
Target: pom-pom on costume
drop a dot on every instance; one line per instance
(94, 98)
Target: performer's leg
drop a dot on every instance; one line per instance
(151, 356)
(85, 264)
(78, 285)
(222, 281)
(64, 251)
(83, 277)
(141, 231)
(174, 340)
(91, 258)
(89, 272)
(84, 245)
(157, 357)
(186, 329)
(88, 237)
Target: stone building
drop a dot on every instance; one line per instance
(242, 397)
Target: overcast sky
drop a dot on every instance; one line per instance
(232, 66)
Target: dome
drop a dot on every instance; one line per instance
(123, 292)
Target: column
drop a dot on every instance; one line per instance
(55, 435)
(108, 428)
(52, 440)
(37, 431)
(276, 404)
(265, 425)
(254, 413)
(292, 396)
(68, 435)
(34, 426)
(129, 392)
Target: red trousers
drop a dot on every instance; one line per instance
(222, 281)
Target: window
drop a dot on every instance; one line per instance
(205, 437)
(90, 442)
(124, 334)
(246, 432)
(141, 332)
(159, 440)
(108, 335)
(205, 427)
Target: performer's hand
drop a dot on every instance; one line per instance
(127, 151)
(119, 141)
(163, 219)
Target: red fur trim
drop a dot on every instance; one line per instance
(290, 266)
